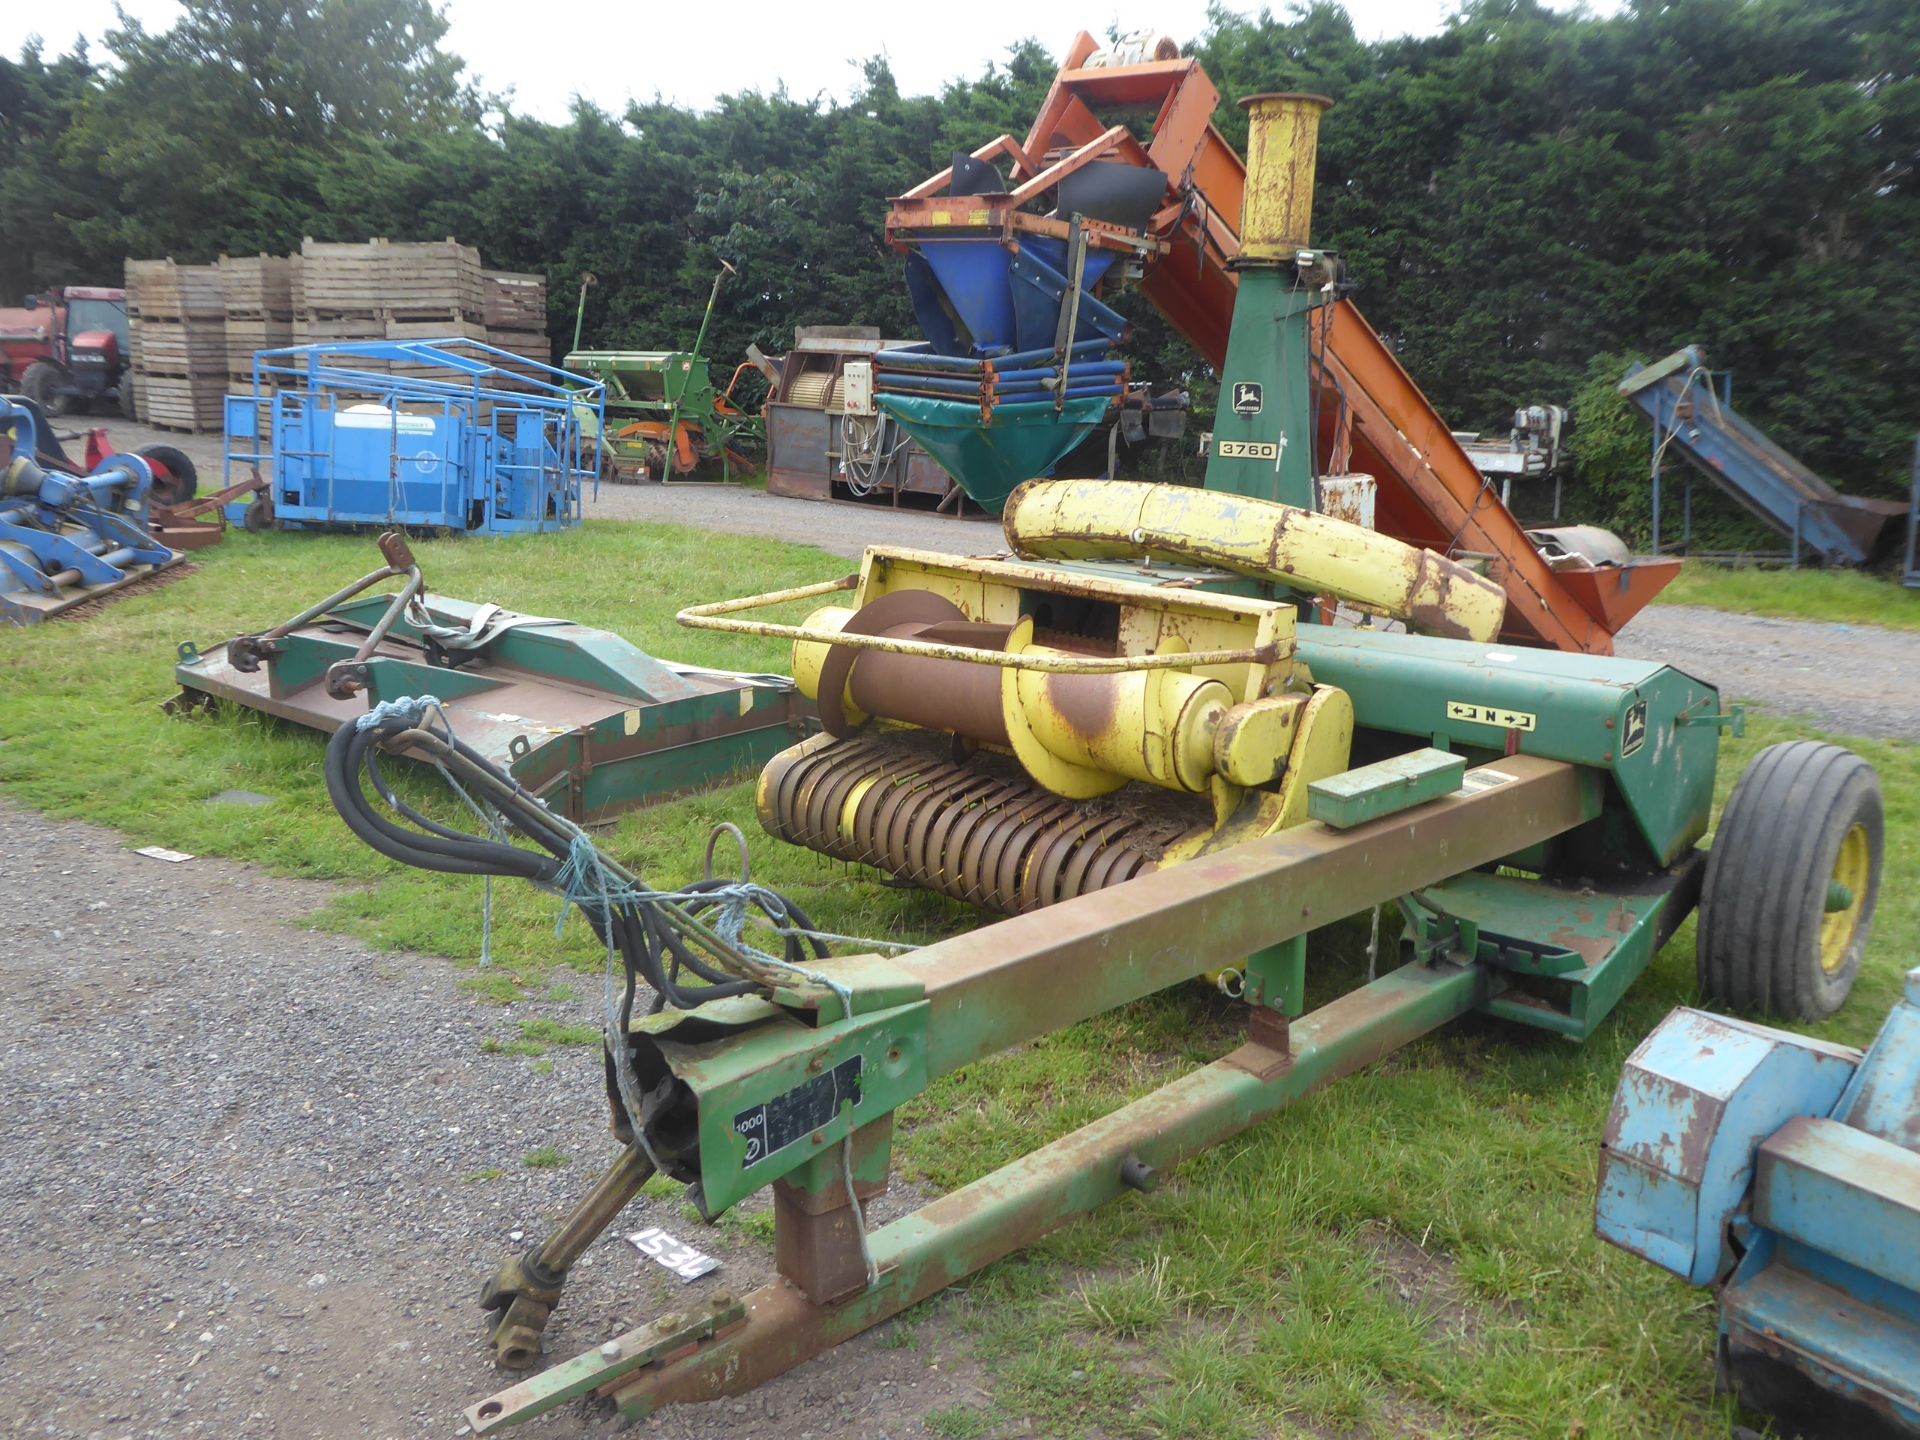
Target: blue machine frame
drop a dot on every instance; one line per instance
(76, 537)
(1691, 409)
(442, 445)
(1790, 1167)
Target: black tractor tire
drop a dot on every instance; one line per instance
(41, 384)
(128, 410)
(1787, 903)
(180, 481)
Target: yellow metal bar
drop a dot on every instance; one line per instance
(1110, 520)
(714, 617)
(1283, 141)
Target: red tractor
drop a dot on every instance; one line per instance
(67, 349)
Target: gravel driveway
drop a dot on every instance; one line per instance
(253, 1174)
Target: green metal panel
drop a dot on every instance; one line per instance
(647, 378)
(957, 1234)
(780, 1092)
(392, 679)
(1263, 432)
(1568, 953)
(552, 649)
(1023, 442)
(583, 1374)
(1276, 977)
(1643, 724)
(680, 746)
(581, 718)
(1356, 796)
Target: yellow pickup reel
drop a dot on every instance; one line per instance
(1015, 732)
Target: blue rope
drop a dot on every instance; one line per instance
(411, 708)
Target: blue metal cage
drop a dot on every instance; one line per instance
(426, 434)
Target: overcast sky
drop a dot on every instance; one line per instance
(610, 50)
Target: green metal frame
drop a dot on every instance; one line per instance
(686, 392)
(1489, 787)
(580, 717)
(667, 386)
(1566, 952)
(951, 1004)
(1263, 431)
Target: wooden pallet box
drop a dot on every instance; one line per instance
(426, 280)
(181, 402)
(514, 301)
(179, 347)
(160, 289)
(257, 286)
(408, 280)
(528, 344)
(339, 281)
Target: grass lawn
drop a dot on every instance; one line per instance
(1410, 1252)
(1844, 596)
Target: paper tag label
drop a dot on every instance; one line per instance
(683, 1260)
(1475, 781)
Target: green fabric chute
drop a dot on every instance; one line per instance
(1023, 442)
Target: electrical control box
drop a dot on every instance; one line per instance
(856, 390)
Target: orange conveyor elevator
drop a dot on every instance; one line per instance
(1373, 418)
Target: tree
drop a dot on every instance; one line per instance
(1522, 192)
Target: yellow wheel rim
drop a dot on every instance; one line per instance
(1846, 899)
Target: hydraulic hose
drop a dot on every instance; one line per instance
(658, 939)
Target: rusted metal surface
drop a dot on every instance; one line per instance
(1695, 1101)
(933, 693)
(1037, 973)
(1347, 497)
(959, 1233)
(978, 831)
(717, 617)
(1852, 1195)
(247, 653)
(1283, 144)
(1784, 1157)
(1430, 492)
(1824, 1362)
(1094, 519)
(1030, 975)
(179, 526)
(1437, 496)
(817, 1248)
(663, 1339)
(798, 439)
(1884, 1099)
(583, 720)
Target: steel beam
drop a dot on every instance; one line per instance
(1005, 984)
(923, 1253)
(1037, 973)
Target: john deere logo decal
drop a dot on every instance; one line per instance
(1635, 735)
(1247, 397)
